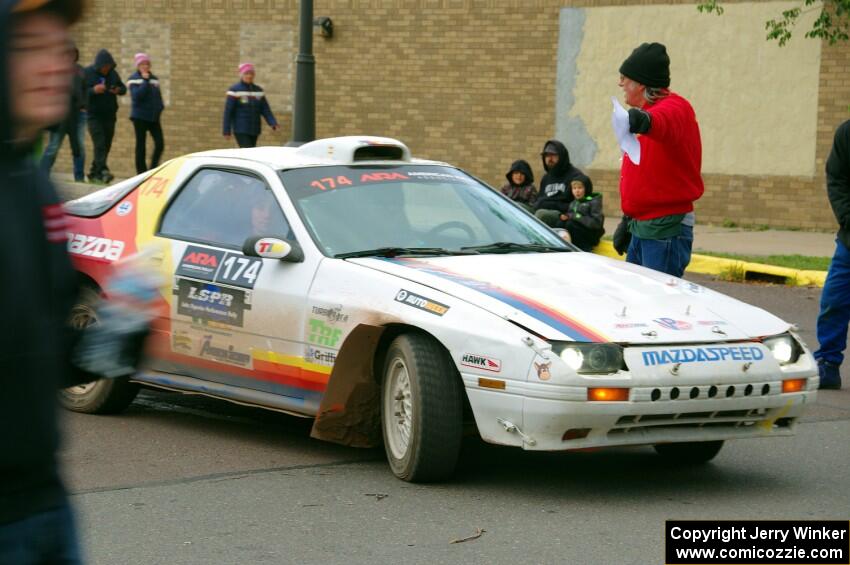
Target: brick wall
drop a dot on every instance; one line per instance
(467, 81)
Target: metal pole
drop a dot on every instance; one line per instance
(304, 107)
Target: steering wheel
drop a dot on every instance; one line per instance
(454, 224)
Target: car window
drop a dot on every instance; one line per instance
(352, 208)
(224, 208)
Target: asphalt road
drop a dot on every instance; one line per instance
(179, 479)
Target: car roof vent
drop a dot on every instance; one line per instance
(355, 148)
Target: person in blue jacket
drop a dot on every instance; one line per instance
(147, 108)
(246, 102)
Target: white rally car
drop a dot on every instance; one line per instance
(385, 295)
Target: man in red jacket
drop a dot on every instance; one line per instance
(658, 193)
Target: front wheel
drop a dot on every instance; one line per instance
(106, 396)
(421, 409)
(690, 453)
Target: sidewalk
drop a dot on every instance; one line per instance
(712, 239)
(717, 239)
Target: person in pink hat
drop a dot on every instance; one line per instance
(146, 111)
(246, 103)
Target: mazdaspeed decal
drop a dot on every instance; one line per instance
(701, 355)
(421, 303)
(481, 362)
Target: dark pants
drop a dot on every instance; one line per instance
(75, 128)
(102, 130)
(245, 140)
(582, 236)
(142, 128)
(669, 255)
(48, 538)
(835, 308)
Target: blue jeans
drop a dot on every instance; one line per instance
(46, 538)
(835, 308)
(669, 255)
(75, 128)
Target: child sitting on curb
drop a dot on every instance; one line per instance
(520, 186)
(584, 221)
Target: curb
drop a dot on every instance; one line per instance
(708, 265)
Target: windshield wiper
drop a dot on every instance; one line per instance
(396, 251)
(508, 246)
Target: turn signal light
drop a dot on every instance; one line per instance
(608, 394)
(793, 385)
(491, 383)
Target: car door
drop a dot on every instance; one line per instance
(236, 321)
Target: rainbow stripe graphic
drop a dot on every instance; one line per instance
(550, 316)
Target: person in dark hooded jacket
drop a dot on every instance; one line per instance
(585, 220)
(520, 186)
(103, 87)
(555, 195)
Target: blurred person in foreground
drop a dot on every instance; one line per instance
(38, 286)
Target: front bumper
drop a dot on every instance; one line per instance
(546, 415)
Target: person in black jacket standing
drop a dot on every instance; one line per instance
(553, 204)
(246, 102)
(835, 299)
(147, 108)
(103, 86)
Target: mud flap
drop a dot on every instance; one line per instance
(350, 413)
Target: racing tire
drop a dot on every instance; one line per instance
(689, 453)
(106, 396)
(421, 409)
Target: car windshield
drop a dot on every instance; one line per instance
(410, 209)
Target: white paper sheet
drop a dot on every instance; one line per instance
(628, 141)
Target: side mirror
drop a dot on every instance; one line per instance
(273, 248)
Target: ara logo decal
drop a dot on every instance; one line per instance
(672, 324)
(372, 177)
(96, 247)
(481, 362)
(199, 263)
(124, 208)
(705, 355)
(204, 259)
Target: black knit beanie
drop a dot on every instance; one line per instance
(648, 65)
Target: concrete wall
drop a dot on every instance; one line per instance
(480, 83)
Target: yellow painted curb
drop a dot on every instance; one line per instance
(708, 265)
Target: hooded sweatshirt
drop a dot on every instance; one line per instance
(555, 193)
(104, 105)
(37, 287)
(527, 192)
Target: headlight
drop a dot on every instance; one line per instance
(785, 348)
(591, 358)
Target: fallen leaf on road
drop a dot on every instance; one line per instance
(378, 495)
(476, 535)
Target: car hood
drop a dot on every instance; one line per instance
(586, 297)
